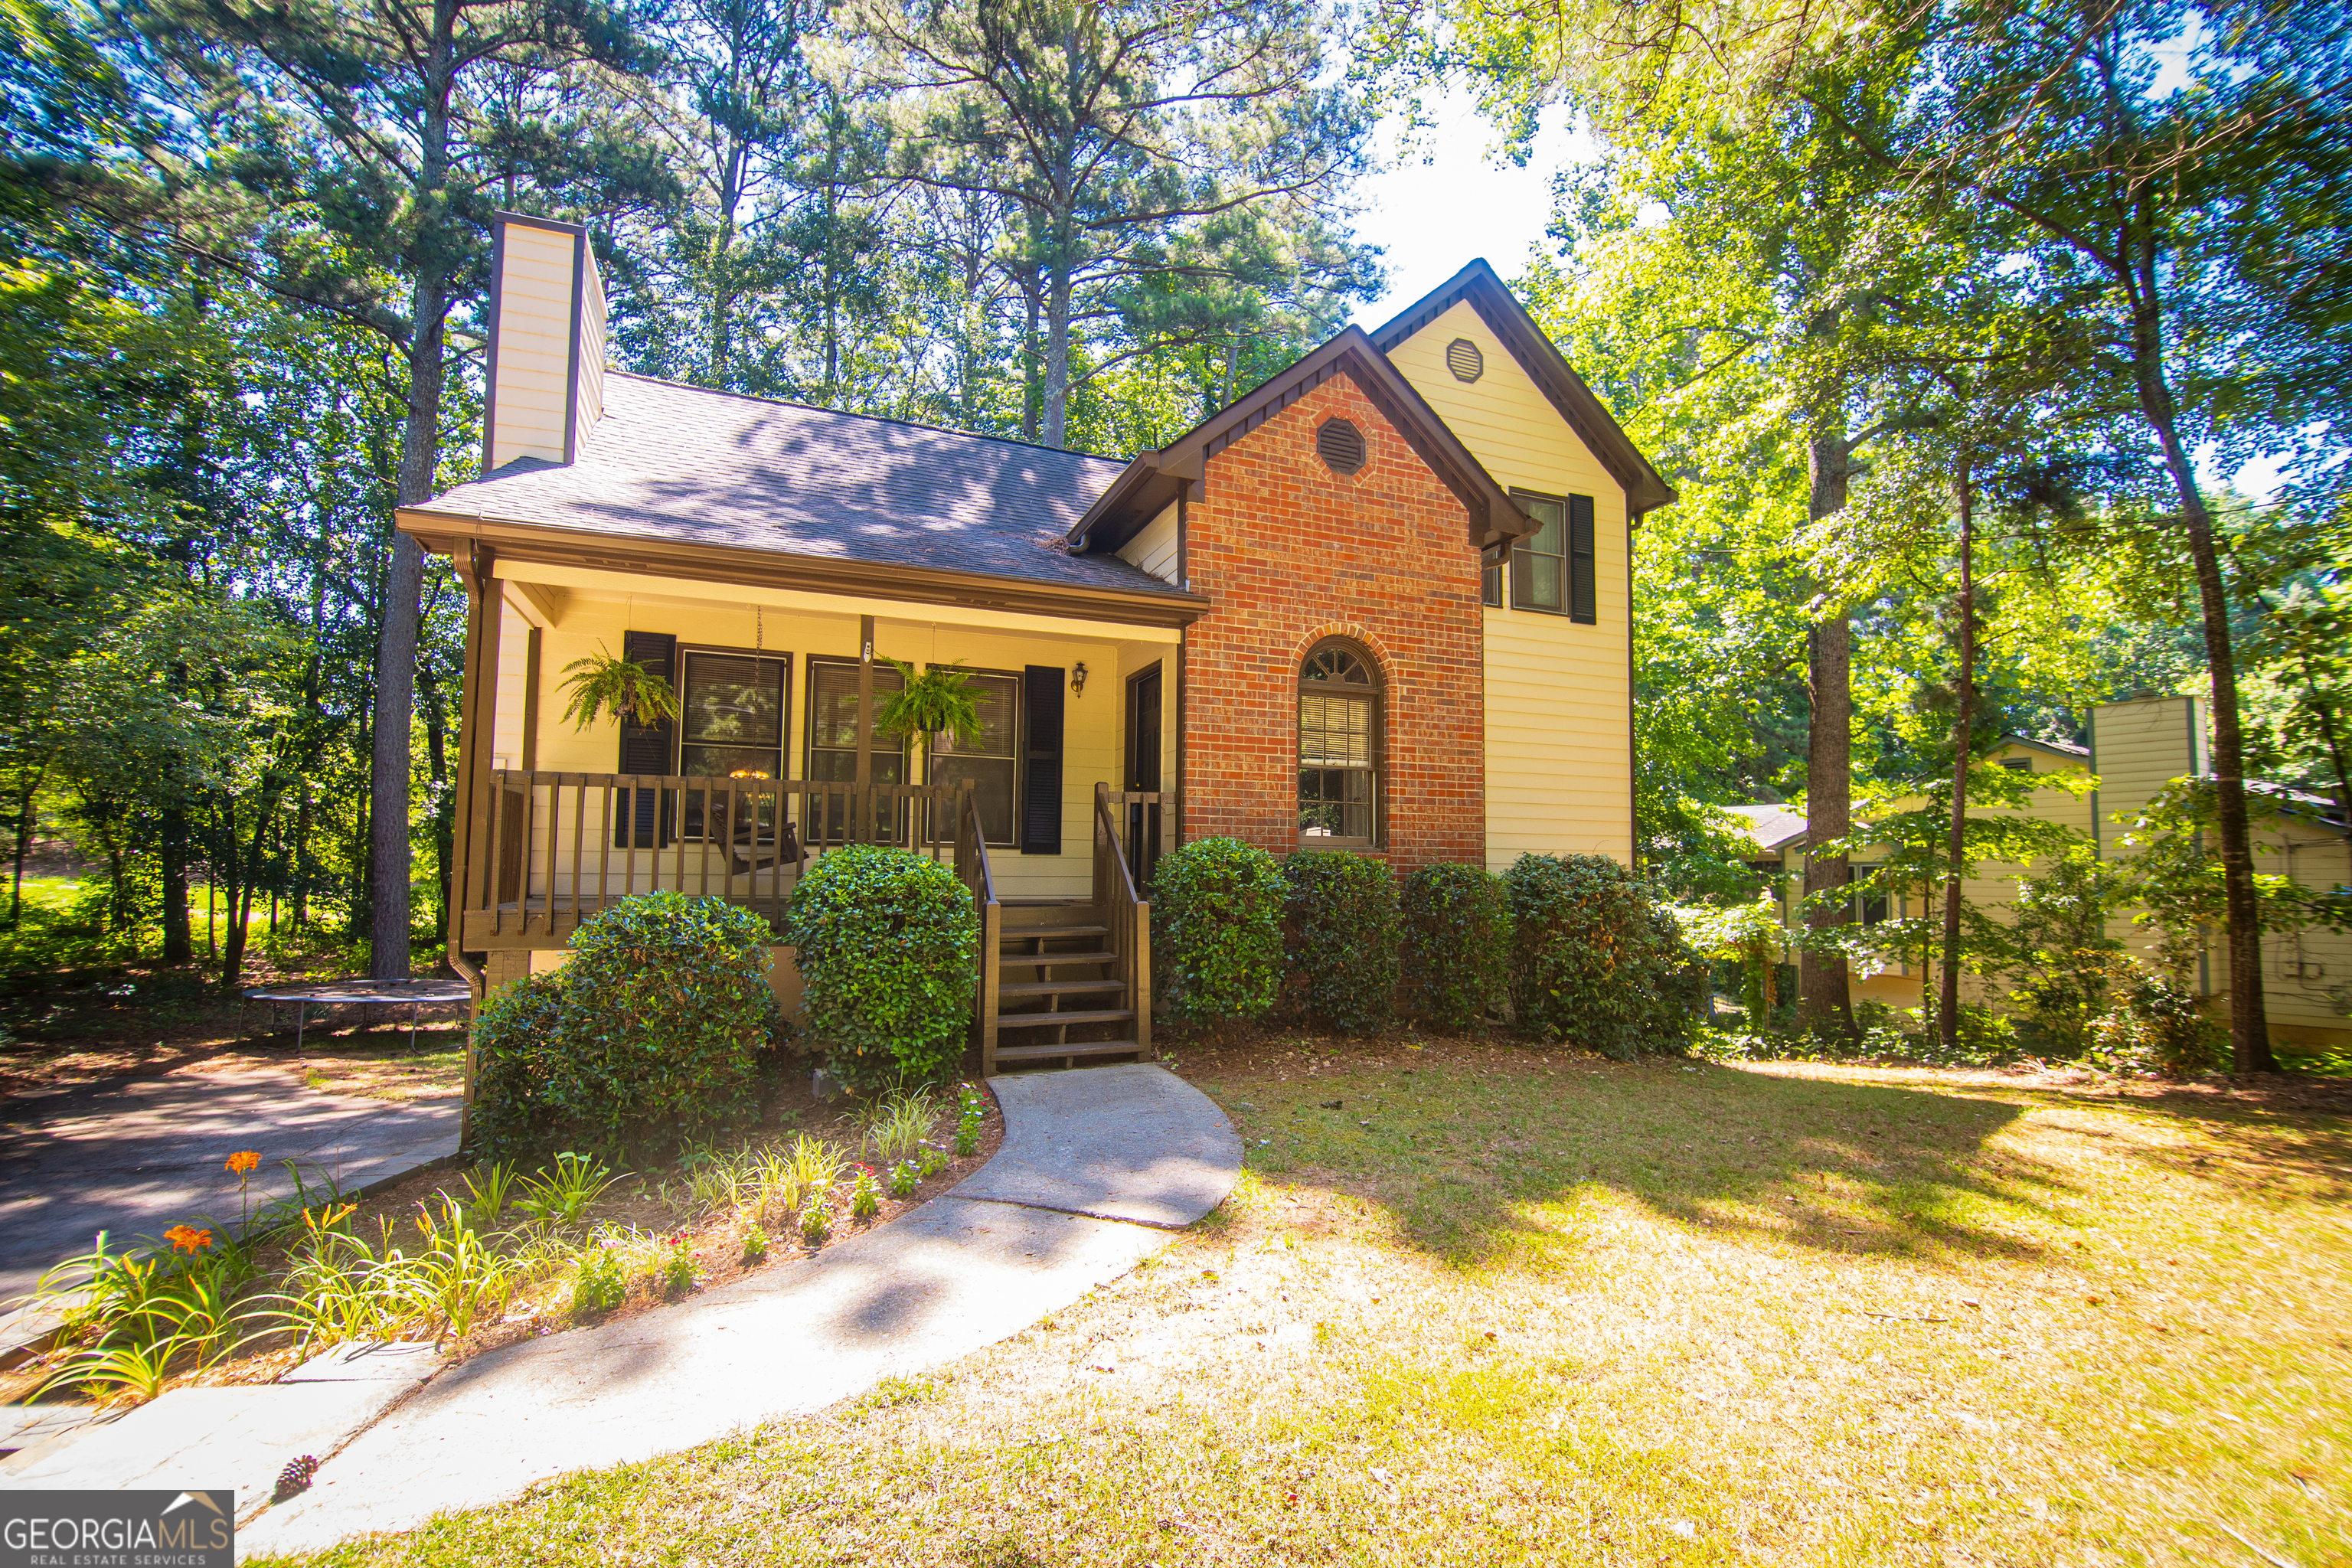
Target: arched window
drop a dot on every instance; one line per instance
(1338, 747)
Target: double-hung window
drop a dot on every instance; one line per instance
(1552, 568)
(993, 761)
(832, 732)
(730, 721)
(1338, 747)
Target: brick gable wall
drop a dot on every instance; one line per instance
(1289, 552)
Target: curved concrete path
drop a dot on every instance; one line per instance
(1097, 1166)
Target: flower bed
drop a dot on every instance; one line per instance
(495, 1254)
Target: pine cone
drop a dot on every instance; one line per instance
(296, 1477)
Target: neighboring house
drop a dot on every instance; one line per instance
(2136, 749)
(1380, 603)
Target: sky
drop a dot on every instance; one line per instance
(1432, 218)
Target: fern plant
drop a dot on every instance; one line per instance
(602, 683)
(937, 701)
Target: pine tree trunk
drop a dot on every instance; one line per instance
(1058, 352)
(1824, 1000)
(1947, 1002)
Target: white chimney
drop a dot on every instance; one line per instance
(546, 370)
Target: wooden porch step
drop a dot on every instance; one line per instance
(1058, 987)
(1034, 960)
(1035, 933)
(1079, 1049)
(1053, 1020)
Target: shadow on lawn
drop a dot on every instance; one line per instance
(1484, 1152)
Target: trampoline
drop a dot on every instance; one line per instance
(343, 993)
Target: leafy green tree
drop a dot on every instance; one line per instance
(1119, 136)
(363, 151)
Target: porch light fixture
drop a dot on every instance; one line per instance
(1077, 680)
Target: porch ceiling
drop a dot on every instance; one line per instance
(554, 591)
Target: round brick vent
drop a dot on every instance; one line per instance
(1463, 358)
(1340, 445)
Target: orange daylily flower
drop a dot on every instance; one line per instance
(242, 1161)
(187, 1238)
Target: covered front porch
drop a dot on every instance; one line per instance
(1053, 814)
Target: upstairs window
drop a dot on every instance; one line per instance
(1339, 748)
(1552, 568)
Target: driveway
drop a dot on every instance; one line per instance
(133, 1156)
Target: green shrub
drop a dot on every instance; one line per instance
(1458, 946)
(1339, 939)
(666, 1010)
(889, 959)
(514, 1112)
(2155, 1025)
(1594, 962)
(1216, 931)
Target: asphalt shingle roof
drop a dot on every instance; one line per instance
(691, 466)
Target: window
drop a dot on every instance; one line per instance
(1552, 568)
(1490, 583)
(833, 731)
(1870, 908)
(993, 763)
(731, 720)
(1338, 746)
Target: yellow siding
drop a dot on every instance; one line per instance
(591, 342)
(1153, 549)
(600, 608)
(506, 719)
(534, 351)
(1559, 696)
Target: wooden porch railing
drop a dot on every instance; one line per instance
(972, 867)
(553, 848)
(1121, 908)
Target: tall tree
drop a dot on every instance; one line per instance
(1115, 129)
(2204, 227)
(375, 141)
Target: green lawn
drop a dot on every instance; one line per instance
(1482, 1305)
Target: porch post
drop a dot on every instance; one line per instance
(862, 819)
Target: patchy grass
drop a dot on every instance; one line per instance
(1483, 1305)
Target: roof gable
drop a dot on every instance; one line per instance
(1535, 353)
(1155, 478)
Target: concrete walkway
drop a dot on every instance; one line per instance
(133, 1156)
(1023, 1235)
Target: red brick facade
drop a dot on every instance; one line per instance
(1289, 552)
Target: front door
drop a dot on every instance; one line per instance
(1143, 742)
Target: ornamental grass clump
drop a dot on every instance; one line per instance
(888, 949)
(1594, 962)
(1339, 939)
(1458, 946)
(1216, 931)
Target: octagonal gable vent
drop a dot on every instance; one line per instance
(1463, 358)
(1340, 445)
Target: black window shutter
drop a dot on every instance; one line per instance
(646, 749)
(1041, 785)
(1582, 597)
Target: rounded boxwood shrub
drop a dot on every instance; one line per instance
(1339, 939)
(665, 1011)
(1458, 946)
(513, 1117)
(1594, 961)
(1216, 931)
(889, 959)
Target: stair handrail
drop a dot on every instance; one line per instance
(972, 869)
(1124, 911)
